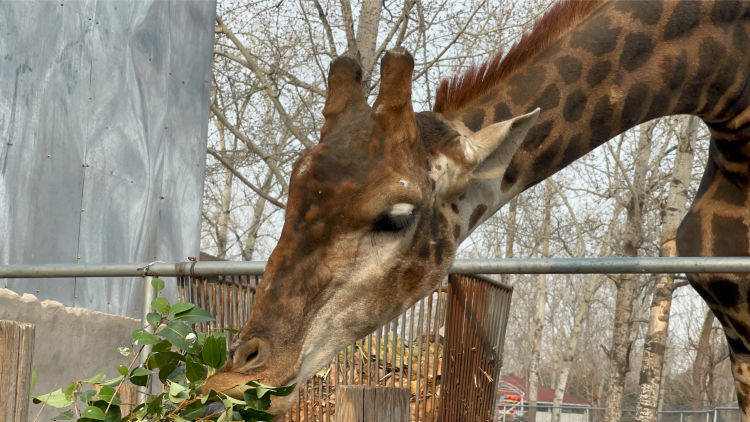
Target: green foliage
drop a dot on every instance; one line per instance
(182, 359)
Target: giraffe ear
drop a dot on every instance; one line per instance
(345, 89)
(394, 97)
(490, 149)
(484, 154)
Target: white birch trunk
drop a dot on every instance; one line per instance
(541, 305)
(656, 338)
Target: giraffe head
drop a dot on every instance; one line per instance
(370, 226)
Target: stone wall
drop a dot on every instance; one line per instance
(71, 343)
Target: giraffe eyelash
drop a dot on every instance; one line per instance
(397, 218)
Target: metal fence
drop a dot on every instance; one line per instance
(228, 290)
(478, 311)
(583, 413)
(463, 320)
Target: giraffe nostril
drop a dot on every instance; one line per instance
(251, 354)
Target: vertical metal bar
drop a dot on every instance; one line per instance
(385, 352)
(495, 357)
(401, 352)
(426, 387)
(379, 338)
(410, 349)
(361, 360)
(365, 372)
(418, 378)
(480, 313)
(465, 341)
(148, 297)
(299, 403)
(447, 351)
(328, 393)
(306, 402)
(436, 361)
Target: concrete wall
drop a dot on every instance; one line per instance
(70, 344)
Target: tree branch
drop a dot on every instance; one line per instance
(242, 178)
(266, 84)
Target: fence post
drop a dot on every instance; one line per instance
(355, 403)
(16, 349)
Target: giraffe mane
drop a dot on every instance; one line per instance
(456, 91)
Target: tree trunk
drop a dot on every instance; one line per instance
(541, 304)
(702, 360)
(251, 236)
(570, 350)
(225, 201)
(510, 235)
(367, 37)
(619, 352)
(655, 343)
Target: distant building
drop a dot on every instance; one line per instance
(512, 402)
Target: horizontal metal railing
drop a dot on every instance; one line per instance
(641, 265)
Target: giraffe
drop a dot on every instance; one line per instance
(377, 209)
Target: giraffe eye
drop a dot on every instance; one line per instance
(397, 218)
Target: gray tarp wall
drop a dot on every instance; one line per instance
(103, 123)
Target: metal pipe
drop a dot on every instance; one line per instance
(148, 297)
(642, 265)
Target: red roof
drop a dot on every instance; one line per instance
(543, 394)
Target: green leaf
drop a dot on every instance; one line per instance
(107, 393)
(175, 332)
(223, 417)
(142, 337)
(161, 346)
(64, 416)
(124, 351)
(70, 389)
(257, 401)
(139, 376)
(178, 393)
(114, 381)
(154, 319)
(193, 315)
(55, 399)
(161, 359)
(194, 370)
(122, 369)
(214, 352)
(158, 284)
(154, 404)
(93, 412)
(255, 415)
(284, 391)
(181, 307)
(161, 304)
(86, 396)
(96, 378)
(194, 410)
(231, 330)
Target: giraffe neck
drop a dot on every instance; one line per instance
(626, 63)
